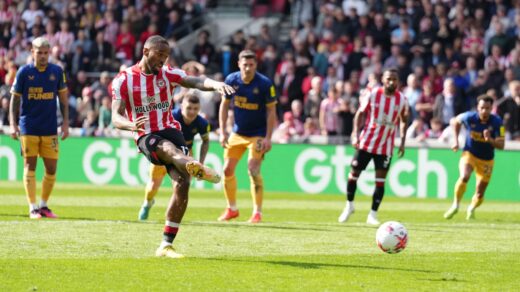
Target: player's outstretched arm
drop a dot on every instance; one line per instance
(207, 84)
(120, 121)
(14, 113)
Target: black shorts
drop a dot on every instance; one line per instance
(362, 158)
(148, 143)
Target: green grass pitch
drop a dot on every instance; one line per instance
(98, 245)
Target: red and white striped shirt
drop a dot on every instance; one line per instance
(148, 95)
(382, 117)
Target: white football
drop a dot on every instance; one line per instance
(392, 237)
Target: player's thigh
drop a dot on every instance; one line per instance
(483, 170)
(255, 148)
(230, 165)
(235, 147)
(49, 147)
(30, 145)
(466, 165)
(360, 161)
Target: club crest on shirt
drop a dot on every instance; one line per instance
(235, 87)
(472, 125)
(160, 83)
(255, 90)
(31, 77)
(52, 77)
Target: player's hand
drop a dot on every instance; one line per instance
(400, 152)
(15, 132)
(64, 131)
(266, 145)
(224, 89)
(455, 146)
(223, 139)
(139, 124)
(354, 141)
(487, 135)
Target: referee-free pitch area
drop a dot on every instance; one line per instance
(97, 244)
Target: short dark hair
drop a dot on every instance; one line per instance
(391, 70)
(247, 54)
(485, 98)
(154, 41)
(191, 97)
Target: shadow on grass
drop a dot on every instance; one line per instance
(307, 265)
(444, 279)
(262, 226)
(62, 218)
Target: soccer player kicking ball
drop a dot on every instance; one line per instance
(485, 133)
(142, 101)
(191, 124)
(385, 108)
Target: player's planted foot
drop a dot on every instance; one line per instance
(255, 218)
(46, 212)
(145, 211)
(372, 219)
(345, 214)
(35, 214)
(200, 171)
(451, 212)
(470, 214)
(169, 252)
(228, 215)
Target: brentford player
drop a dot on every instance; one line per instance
(385, 108)
(142, 102)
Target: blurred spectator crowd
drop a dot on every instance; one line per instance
(447, 52)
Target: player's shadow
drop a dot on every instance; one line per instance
(14, 215)
(307, 265)
(249, 225)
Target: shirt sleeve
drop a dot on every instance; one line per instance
(364, 101)
(62, 82)
(464, 119)
(499, 130)
(271, 94)
(19, 81)
(118, 88)
(174, 75)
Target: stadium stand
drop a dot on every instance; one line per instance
(447, 52)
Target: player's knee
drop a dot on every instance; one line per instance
(465, 178)
(229, 171)
(253, 170)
